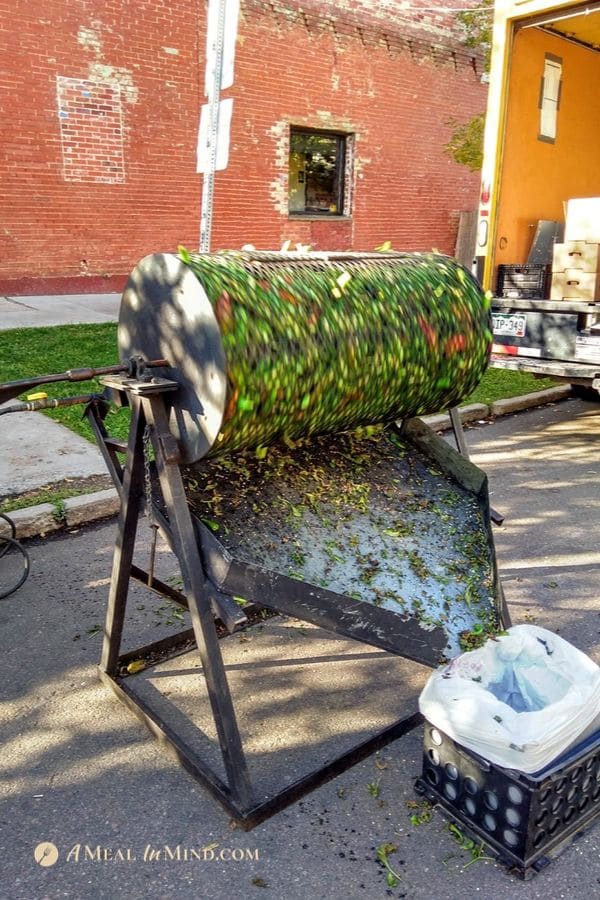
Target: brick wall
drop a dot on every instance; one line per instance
(78, 206)
(99, 116)
(394, 96)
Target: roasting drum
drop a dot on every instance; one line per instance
(271, 346)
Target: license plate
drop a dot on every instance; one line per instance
(511, 324)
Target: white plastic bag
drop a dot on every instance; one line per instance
(519, 701)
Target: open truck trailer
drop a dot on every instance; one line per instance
(538, 233)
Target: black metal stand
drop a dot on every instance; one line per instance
(208, 576)
(461, 443)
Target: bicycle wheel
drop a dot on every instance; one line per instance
(13, 531)
(14, 566)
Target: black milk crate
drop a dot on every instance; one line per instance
(524, 819)
(522, 282)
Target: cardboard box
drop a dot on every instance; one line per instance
(574, 284)
(576, 255)
(583, 220)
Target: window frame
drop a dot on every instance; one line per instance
(342, 139)
(549, 105)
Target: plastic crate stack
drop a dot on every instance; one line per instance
(522, 282)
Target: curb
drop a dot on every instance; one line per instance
(38, 521)
(500, 407)
(468, 413)
(526, 401)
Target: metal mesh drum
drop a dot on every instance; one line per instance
(272, 346)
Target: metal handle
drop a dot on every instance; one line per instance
(12, 389)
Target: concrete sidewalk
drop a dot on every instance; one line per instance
(63, 309)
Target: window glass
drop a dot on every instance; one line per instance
(316, 173)
(550, 96)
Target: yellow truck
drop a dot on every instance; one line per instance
(538, 229)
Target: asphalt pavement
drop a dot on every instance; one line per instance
(94, 807)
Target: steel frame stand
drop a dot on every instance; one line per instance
(461, 444)
(203, 599)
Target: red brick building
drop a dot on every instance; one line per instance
(340, 114)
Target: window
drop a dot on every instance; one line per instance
(550, 98)
(316, 173)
